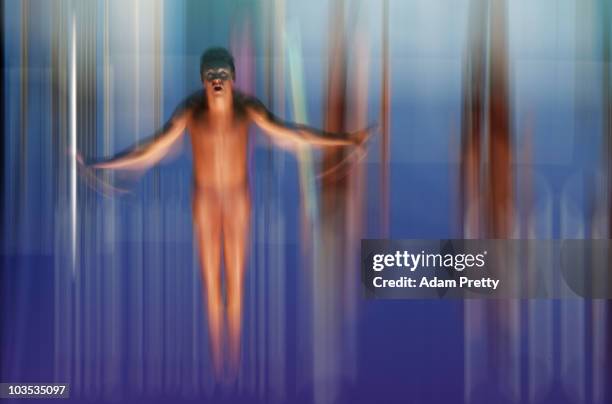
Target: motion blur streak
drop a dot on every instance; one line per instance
(601, 316)
(385, 122)
(491, 328)
(73, 145)
(334, 283)
(555, 340)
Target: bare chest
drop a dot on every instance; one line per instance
(205, 128)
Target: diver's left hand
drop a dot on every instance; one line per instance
(360, 137)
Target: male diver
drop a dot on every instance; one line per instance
(217, 119)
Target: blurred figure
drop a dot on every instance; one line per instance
(217, 119)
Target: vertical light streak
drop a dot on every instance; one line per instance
(276, 281)
(310, 233)
(157, 84)
(279, 53)
(356, 191)
(19, 163)
(331, 337)
(486, 98)
(385, 120)
(260, 336)
(138, 337)
(78, 343)
(298, 98)
(137, 70)
(3, 137)
(500, 178)
(73, 145)
(475, 355)
(54, 76)
(602, 310)
(21, 197)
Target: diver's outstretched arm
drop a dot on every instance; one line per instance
(282, 130)
(144, 156)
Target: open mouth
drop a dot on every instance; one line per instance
(217, 88)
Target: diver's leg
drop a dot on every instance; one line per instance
(207, 219)
(236, 225)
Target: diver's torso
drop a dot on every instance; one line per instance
(220, 148)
